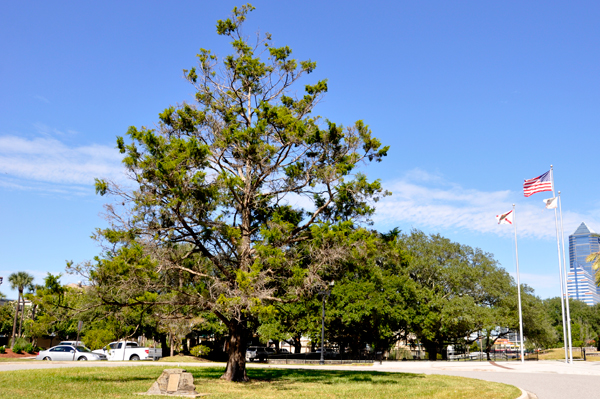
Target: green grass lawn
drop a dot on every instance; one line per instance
(559, 353)
(124, 382)
(553, 354)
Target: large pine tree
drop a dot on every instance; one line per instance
(242, 199)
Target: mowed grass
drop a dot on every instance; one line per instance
(125, 382)
(553, 354)
(559, 354)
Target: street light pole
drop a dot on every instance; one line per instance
(322, 361)
(323, 293)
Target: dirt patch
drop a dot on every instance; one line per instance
(10, 355)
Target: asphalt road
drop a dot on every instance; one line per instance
(544, 386)
(547, 380)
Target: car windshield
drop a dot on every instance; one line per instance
(83, 349)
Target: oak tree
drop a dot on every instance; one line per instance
(460, 290)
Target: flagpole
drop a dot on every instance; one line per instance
(518, 285)
(562, 236)
(560, 273)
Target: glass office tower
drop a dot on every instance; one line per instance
(581, 282)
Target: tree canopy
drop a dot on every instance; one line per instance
(461, 291)
(585, 322)
(370, 304)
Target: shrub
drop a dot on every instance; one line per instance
(17, 348)
(29, 348)
(2, 350)
(19, 345)
(200, 350)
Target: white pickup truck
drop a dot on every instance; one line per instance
(115, 351)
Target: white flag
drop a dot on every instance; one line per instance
(505, 218)
(551, 203)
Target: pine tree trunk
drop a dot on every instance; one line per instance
(14, 330)
(236, 364)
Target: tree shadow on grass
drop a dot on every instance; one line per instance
(331, 377)
(342, 376)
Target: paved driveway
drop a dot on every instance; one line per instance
(546, 379)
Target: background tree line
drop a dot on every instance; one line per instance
(421, 289)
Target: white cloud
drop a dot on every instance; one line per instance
(47, 160)
(42, 98)
(50, 131)
(423, 200)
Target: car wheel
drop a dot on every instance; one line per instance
(47, 358)
(134, 357)
(82, 358)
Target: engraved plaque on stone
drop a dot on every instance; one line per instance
(173, 383)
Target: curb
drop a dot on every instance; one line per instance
(526, 395)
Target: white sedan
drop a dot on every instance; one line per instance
(69, 352)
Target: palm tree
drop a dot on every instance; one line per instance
(594, 257)
(19, 281)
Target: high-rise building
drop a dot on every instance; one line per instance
(581, 281)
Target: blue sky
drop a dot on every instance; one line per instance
(473, 97)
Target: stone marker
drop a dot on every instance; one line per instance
(174, 382)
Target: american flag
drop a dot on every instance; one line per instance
(537, 184)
